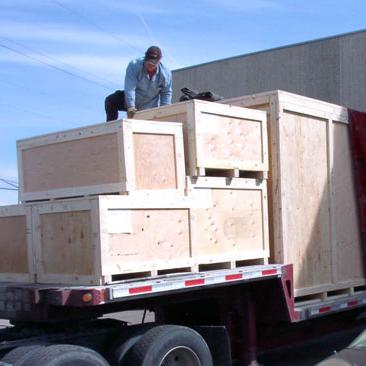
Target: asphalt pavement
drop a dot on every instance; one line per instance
(311, 352)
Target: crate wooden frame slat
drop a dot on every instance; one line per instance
(23, 255)
(115, 168)
(329, 226)
(211, 128)
(236, 228)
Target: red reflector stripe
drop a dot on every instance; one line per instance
(139, 290)
(237, 276)
(324, 309)
(269, 272)
(352, 303)
(194, 282)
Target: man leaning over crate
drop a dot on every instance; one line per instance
(148, 84)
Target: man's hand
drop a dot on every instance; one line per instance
(131, 112)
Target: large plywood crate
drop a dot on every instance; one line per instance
(313, 210)
(16, 259)
(123, 156)
(103, 239)
(94, 241)
(217, 136)
(235, 227)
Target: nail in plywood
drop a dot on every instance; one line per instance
(87, 241)
(217, 136)
(235, 227)
(122, 156)
(15, 247)
(313, 213)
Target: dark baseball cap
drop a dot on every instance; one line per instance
(153, 54)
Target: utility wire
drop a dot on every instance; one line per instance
(56, 60)
(64, 97)
(124, 41)
(54, 66)
(10, 183)
(37, 113)
(13, 186)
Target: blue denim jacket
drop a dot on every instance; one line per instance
(143, 92)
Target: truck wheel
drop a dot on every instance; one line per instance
(120, 353)
(66, 355)
(18, 356)
(171, 345)
(120, 349)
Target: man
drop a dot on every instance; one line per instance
(148, 83)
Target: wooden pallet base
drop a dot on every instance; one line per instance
(197, 267)
(330, 295)
(231, 173)
(56, 199)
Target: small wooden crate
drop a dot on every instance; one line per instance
(217, 136)
(235, 227)
(16, 260)
(123, 156)
(313, 207)
(94, 241)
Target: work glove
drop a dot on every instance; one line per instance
(131, 112)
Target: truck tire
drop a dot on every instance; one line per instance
(121, 348)
(18, 356)
(66, 355)
(169, 345)
(121, 352)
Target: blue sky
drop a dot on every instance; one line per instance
(60, 58)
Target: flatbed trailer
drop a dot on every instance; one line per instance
(205, 318)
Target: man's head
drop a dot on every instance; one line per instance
(152, 57)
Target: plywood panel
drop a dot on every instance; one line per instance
(82, 162)
(232, 226)
(305, 198)
(182, 118)
(348, 246)
(157, 235)
(13, 245)
(66, 243)
(155, 166)
(231, 139)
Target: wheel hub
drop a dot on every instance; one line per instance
(181, 356)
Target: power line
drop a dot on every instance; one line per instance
(54, 66)
(101, 29)
(36, 113)
(55, 59)
(10, 183)
(64, 97)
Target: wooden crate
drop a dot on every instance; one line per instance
(94, 241)
(16, 261)
(123, 156)
(235, 227)
(313, 211)
(217, 136)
